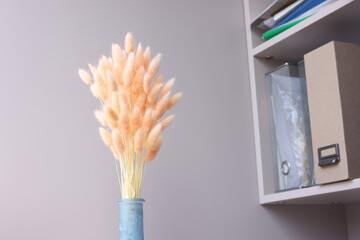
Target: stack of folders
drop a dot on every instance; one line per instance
(290, 13)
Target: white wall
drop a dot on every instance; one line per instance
(57, 180)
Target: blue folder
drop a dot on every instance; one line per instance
(303, 8)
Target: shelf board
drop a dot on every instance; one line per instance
(323, 27)
(335, 193)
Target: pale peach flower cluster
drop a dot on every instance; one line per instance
(134, 101)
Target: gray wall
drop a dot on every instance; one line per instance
(353, 220)
(57, 180)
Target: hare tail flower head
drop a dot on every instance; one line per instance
(134, 101)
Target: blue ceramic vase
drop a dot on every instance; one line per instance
(131, 219)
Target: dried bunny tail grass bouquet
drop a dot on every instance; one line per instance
(134, 102)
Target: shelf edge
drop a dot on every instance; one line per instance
(315, 191)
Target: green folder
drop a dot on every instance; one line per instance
(273, 32)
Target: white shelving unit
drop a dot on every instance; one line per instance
(339, 21)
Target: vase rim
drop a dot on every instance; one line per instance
(123, 200)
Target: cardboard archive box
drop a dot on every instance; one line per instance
(333, 85)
